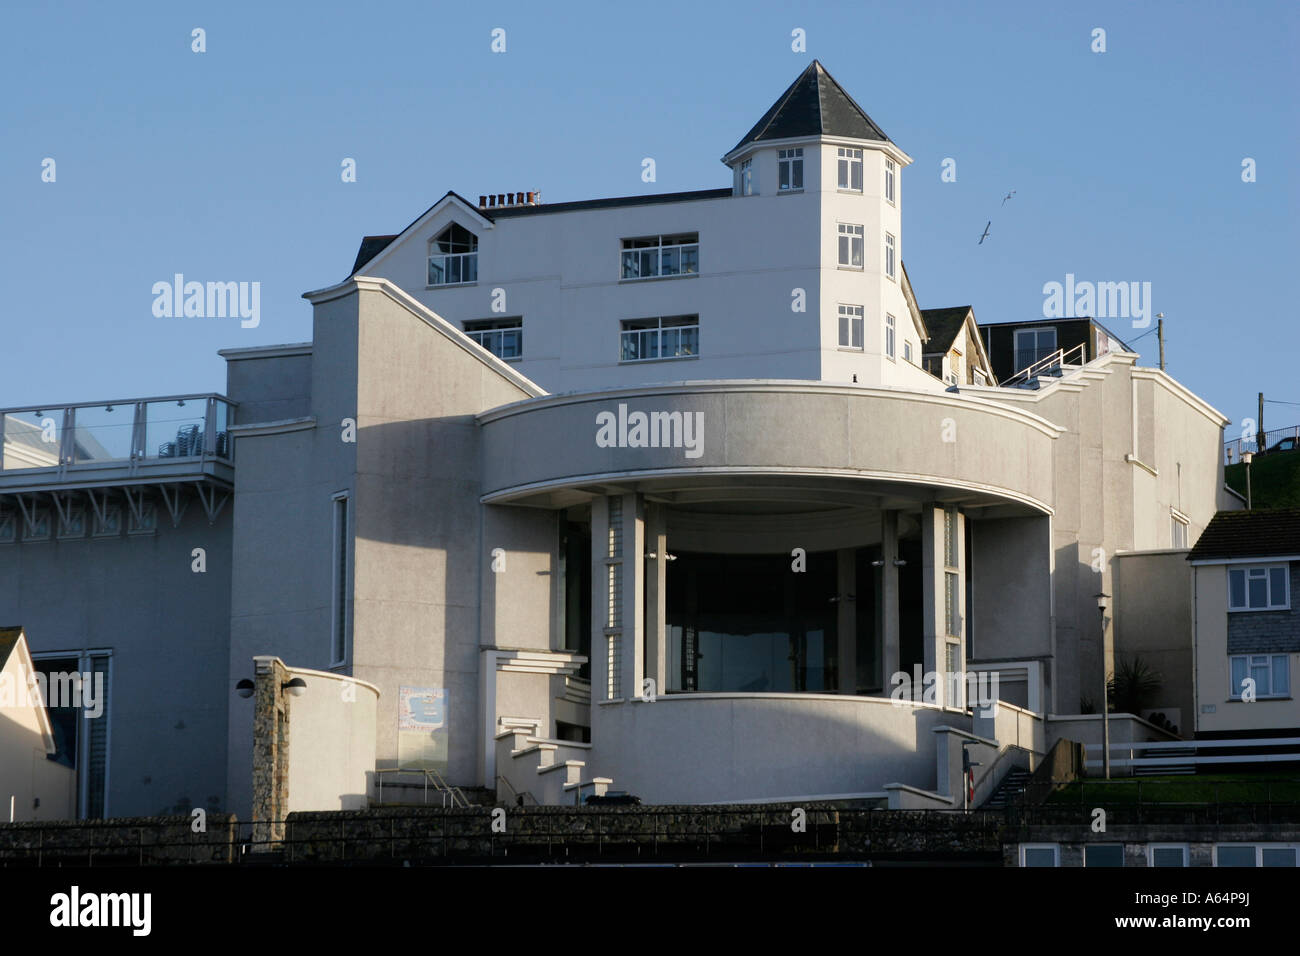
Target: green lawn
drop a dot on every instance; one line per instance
(1201, 789)
(1274, 480)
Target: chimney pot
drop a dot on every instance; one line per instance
(519, 199)
(482, 201)
(501, 199)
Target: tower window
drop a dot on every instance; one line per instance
(850, 169)
(790, 169)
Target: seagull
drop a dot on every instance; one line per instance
(1008, 196)
(986, 232)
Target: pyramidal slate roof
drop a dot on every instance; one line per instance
(814, 105)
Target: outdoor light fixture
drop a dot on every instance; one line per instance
(245, 688)
(180, 403)
(878, 563)
(655, 554)
(108, 408)
(1103, 602)
(1248, 457)
(900, 562)
(296, 687)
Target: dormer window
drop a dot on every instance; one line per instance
(453, 257)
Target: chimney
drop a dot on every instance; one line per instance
(482, 202)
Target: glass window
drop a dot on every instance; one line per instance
(851, 321)
(889, 180)
(889, 255)
(851, 240)
(1168, 856)
(453, 256)
(1277, 856)
(790, 167)
(1177, 532)
(1270, 672)
(889, 336)
(1032, 346)
(1259, 588)
(1040, 855)
(1234, 856)
(650, 256)
(675, 336)
(747, 178)
(907, 351)
(504, 338)
(1103, 854)
(850, 169)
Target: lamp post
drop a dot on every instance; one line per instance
(1103, 602)
(1247, 457)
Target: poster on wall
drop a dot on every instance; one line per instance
(422, 728)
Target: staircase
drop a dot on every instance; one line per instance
(1162, 770)
(423, 788)
(536, 770)
(1010, 791)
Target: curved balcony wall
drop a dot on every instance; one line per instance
(907, 439)
(714, 748)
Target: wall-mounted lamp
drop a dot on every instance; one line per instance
(295, 687)
(655, 555)
(878, 563)
(900, 562)
(245, 688)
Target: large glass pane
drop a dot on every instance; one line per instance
(1281, 683)
(1260, 672)
(437, 270)
(103, 433)
(1110, 854)
(1277, 587)
(1040, 856)
(1278, 856)
(1237, 586)
(670, 261)
(1238, 675)
(1258, 591)
(690, 260)
(1168, 856)
(1235, 855)
(224, 446)
(174, 429)
(31, 440)
(796, 178)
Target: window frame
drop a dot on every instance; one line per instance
(848, 160)
(853, 232)
(477, 328)
(1251, 662)
(1259, 847)
(341, 560)
(891, 256)
(747, 177)
(1183, 848)
(1039, 355)
(658, 329)
(658, 249)
(1087, 847)
(891, 180)
(1178, 523)
(891, 329)
(462, 258)
(787, 162)
(1054, 847)
(1267, 572)
(852, 322)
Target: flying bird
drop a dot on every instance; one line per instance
(986, 232)
(1008, 196)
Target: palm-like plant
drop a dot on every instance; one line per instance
(1133, 686)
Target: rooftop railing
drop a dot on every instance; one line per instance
(130, 432)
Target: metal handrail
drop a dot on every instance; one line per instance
(519, 795)
(1057, 359)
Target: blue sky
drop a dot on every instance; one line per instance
(225, 165)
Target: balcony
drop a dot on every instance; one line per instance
(176, 445)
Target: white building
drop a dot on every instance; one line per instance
(655, 493)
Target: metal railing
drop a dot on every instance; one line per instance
(1276, 439)
(518, 797)
(1057, 360)
(127, 432)
(449, 796)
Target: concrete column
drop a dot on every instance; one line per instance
(932, 603)
(632, 652)
(600, 611)
(888, 623)
(846, 623)
(656, 602)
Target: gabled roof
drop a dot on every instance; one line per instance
(372, 246)
(8, 641)
(814, 105)
(1263, 533)
(944, 324)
